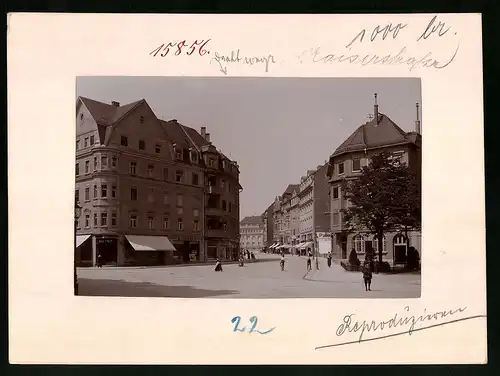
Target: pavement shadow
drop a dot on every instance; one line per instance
(100, 287)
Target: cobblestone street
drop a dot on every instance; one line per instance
(262, 279)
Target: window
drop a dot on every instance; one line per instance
(151, 222)
(104, 191)
(341, 168)
(113, 219)
(113, 191)
(77, 195)
(165, 198)
(87, 220)
(157, 149)
(222, 183)
(165, 223)
(113, 162)
(150, 171)
(87, 167)
(224, 205)
(132, 168)
(95, 219)
(132, 222)
(180, 210)
(229, 207)
(178, 154)
(77, 144)
(357, 242)
(86, 142)
(229, 187)
(335, 219)
(141, 119)
(151, 195)
(180, 224)
(194, 157)
(211, 162)
(224, 226)
(124, 141)
(95, 163)
(91, 140)
(196, 213)
(356, 164)
(95, 191)
(104, 219)
(87, 194)
(165, 174)
(335, 192)
(178, 176)
(104, 161)
(195, 178)
(77, 169)
(133, 194)
(142, 145)
(196, 225)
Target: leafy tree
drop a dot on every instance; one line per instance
(384, 197)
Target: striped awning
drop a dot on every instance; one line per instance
(80, 239)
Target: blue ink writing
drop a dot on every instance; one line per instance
(253, 320)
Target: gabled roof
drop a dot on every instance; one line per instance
(372, 135)
(195, 137)
(176, 134)
(252, 220)
(107, 114)
(289, 190)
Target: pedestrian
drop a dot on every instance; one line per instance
(218, 266)
(99, 261)
(329, 259)
(309, 264)
(282, 262)
(241, 261)
(367, 275)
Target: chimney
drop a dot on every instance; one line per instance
(417, 122)
(116, 104)
(203, 132)
(207, 137)
(375, 109)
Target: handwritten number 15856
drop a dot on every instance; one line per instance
(177, 48)
(253, 320)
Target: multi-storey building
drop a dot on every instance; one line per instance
(282, 220)
(295, 219)
(379, 134)
(252, 233)
(313, 212)
(143, 187)
(268, 219)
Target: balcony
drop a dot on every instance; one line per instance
(215, 211)
(215, 190)
(217, 233)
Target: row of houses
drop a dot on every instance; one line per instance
(150, 191)
(307, 216)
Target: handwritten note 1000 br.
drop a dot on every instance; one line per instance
(253, 320)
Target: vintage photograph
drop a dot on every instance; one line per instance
(208, 187)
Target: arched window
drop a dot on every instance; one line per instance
(357, 243)
(375, 244)
(399, 239)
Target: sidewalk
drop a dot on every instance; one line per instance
(259, 258)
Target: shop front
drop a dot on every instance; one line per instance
(148, 250)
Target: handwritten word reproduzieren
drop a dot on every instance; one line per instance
(253, 321)
(177, 48)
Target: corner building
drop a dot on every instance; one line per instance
(143, 187)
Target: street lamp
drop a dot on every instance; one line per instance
(78, 212)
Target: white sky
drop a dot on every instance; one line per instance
(275, 128)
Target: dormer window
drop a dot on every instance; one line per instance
(194, 157)
(178, 153)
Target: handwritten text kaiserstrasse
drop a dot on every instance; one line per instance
(353, 52)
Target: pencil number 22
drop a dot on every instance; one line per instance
(253, 321)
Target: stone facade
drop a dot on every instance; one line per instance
(138, 175)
